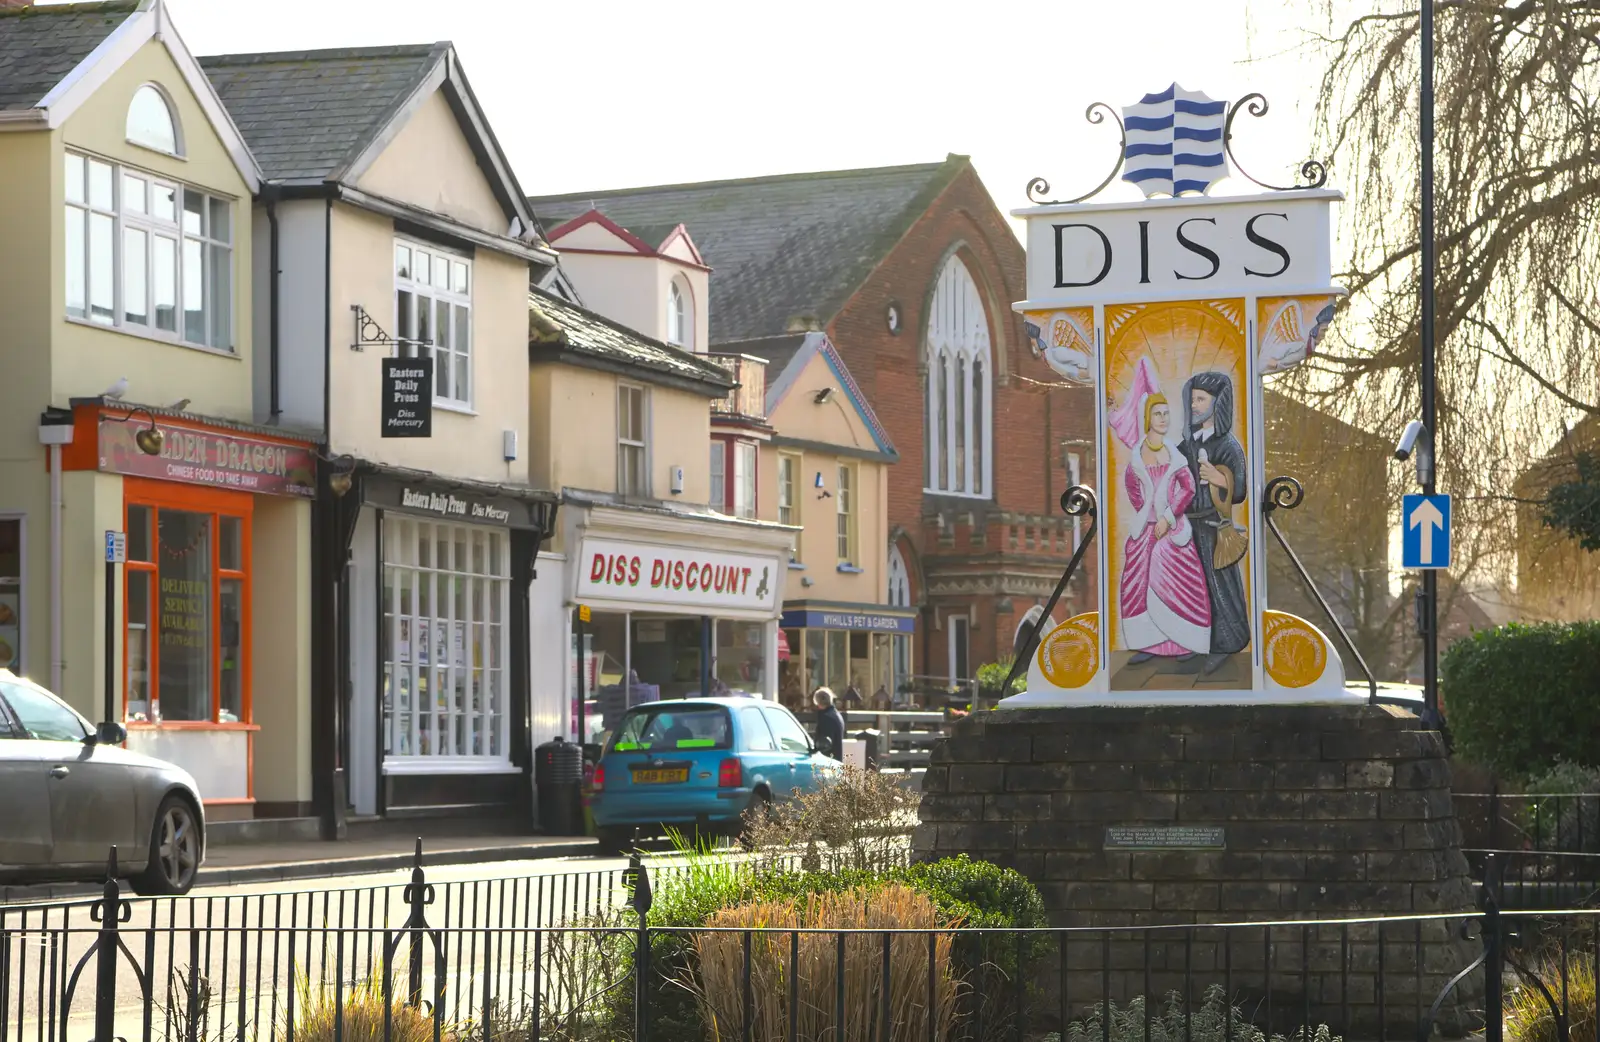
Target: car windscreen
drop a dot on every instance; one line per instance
(666, 728)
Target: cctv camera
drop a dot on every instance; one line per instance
(1408, 440)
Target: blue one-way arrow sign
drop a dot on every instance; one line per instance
(1425, 531)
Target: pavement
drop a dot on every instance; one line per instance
(280, 862)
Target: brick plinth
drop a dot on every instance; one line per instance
(1327, 812)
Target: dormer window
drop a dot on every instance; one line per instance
(680, 315)
(151, 122)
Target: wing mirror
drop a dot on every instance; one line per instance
(109, 732)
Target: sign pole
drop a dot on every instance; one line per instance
(583, 679)
(116, 553)
(1428, 617)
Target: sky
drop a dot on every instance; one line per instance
(594, 94)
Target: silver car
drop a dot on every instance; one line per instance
(69, 793)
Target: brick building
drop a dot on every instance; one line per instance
(911, 272)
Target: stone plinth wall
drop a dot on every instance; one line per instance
(1326, 812)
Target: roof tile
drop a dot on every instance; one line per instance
(781, 249)
(40, 44)
(558, 323)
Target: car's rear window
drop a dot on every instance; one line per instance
(665, 728)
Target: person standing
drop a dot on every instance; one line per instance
(830, 724)
(1216, 463)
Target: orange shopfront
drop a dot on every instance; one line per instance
(214, 605)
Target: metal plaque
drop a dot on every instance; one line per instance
(1165, 837)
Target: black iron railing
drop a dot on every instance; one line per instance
(619, 973)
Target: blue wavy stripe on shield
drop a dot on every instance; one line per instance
(1183, 159)
(1197, 133)
(1200, 108)
(1163, 96)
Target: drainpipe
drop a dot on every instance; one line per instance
(55, 430)
(275, 406)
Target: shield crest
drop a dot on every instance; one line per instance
(1174, 142)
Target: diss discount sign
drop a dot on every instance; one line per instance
(642, 574)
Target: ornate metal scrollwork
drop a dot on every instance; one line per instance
(1282, 493)
(1314, 171)
(369, 332)
(1096, 113)
(1077, 501)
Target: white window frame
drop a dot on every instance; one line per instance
(959, 388)
(484, 655)
(451, 360)
(789, 471)
(680, 321)
(641, 443)
(172, 118)
(744, 479)
(719, 475)
(216, 254)
(845, 530)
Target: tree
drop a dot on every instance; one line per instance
(1517, 194)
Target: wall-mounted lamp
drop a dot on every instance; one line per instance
(822, 397)
(149, 439)
(341, 479)
(822, 490)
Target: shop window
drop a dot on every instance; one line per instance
(446, 596)
(433, 316)
(633, 475)
(667, 652)
(11, 594)
(846, 521)
(162, 249)
(789, 497)
(744, 479)
(741, 658)
(611, 691)
(185, 611)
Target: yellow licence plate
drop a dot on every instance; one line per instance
(661, 775)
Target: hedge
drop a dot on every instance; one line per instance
(1519, 698)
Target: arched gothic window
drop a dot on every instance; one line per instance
(680, 316)
(899, 580)
(959, 445)
(151, 122)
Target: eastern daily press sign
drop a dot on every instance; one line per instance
(645, 574)
(407, 410)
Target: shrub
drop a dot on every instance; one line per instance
(359, 1017)
(1528, 1016)
(992, 676)
(1520, 698)
(1569, 821)
(813, 960)
(858, 822)
(1215, 1020)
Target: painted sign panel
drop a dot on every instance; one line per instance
(1178, 505)
(447, 503)
(644, 573)
(220, 459)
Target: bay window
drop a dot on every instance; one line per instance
(148, 255)
(433, 313)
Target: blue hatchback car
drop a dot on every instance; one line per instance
(701, 763)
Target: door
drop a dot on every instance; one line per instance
(92, 801)
(959, 664)
(25, 838)
(794, 744)
(761, 755)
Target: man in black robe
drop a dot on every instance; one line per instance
(1217, 461)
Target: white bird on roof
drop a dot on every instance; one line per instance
(116, 390)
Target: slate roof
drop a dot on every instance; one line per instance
(555, 325)
(40, 45)
(309, 114)
(778, 351)
(789, 247)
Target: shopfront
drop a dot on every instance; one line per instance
(842, 646)
(438, 641)
(656, 619)
(202, 640)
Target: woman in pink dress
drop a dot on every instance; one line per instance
(1165, 611)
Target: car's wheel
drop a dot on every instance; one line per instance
(614, 840)
(174, 850)
(760, 810)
